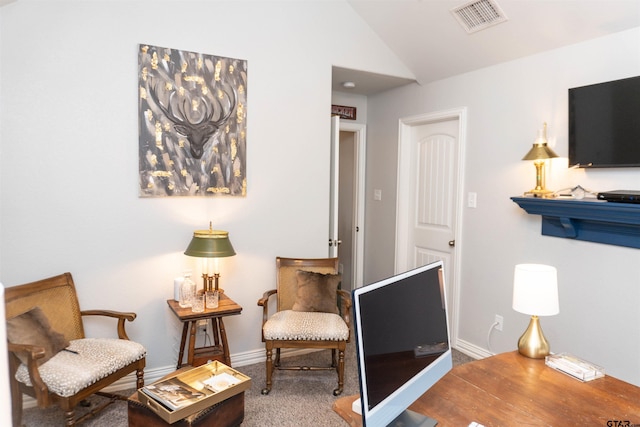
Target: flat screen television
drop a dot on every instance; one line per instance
(402, 344)
(604, 124)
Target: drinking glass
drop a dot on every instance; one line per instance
(212, 298)
(198, 304)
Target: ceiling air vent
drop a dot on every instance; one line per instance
(478, 15)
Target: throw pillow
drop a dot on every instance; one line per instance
(33, 328)
(317, 292)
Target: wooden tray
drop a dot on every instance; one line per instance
(195, 378)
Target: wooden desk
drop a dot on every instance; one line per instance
(220, 348)
(510, 389)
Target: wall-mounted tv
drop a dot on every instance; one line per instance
(604, 124)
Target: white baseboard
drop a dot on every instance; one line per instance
(472, 350)
(248, 357)
(259, 356)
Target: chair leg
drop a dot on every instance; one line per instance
(340, 370)
(269, 367)
(276, 362)
(16, 404)
(139, 378)
(70, 418)
(16, 393)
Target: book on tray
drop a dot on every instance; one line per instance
(173, 393)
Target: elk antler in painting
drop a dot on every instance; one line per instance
(197, 116)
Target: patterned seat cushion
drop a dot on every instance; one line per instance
(302, 325)
(67, 373)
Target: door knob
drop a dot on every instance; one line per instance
(452, 243)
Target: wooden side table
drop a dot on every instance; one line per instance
(220, 348)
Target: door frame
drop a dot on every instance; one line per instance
(403, 197)
(360, 140)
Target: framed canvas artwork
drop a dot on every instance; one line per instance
(192, 112)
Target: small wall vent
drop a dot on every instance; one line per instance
(478, 15)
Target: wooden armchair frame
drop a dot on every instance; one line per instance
(286, 296)
(57, 298)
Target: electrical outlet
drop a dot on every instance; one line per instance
(201, 326)
(498, 322)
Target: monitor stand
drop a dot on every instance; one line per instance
(409, 418)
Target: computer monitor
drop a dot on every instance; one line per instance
(402, 344)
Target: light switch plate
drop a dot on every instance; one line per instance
(472, 200)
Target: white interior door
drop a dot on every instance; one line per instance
(433, 182)
(429, 170)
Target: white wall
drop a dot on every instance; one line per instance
(507, 104)
(69, 167)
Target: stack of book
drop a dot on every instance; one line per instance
(574, 366)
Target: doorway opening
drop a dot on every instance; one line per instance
(346, 236)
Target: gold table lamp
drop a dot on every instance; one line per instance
(539, 153)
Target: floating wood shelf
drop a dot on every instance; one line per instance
(590, 220)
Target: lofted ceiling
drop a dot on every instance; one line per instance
(429, 40)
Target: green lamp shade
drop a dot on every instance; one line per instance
(210, 244)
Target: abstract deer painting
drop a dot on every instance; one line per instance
(192, 123)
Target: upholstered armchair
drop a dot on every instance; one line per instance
(51, 360)
(310, 312)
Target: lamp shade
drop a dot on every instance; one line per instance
(539, 152)
(535, 290)
(210, 244)
(540, 149)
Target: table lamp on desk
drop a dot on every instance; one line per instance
(535, 292)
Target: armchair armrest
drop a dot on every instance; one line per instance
(264, 302)
(121, 316)
(265, 297)
(33, 353)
